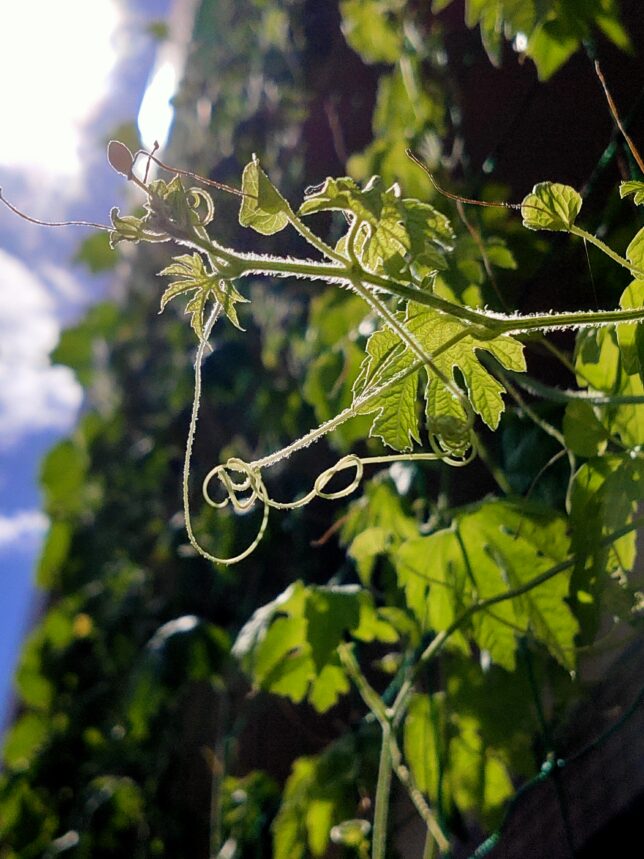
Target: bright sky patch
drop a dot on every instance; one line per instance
(55, 61)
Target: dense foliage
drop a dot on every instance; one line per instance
(435, 631)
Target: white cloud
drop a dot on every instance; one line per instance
(34, 396)
(55, 63)
(22, 529)
(67, 287)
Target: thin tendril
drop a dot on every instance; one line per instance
(253, 482)
(147, 166)
(613, 109)
(188, 457)
(493, 204)
(219, 185)
(42, 223)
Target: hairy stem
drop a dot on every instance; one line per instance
(315, 241)
(383, 790)
(497, 323)
(365, 399)
(604, 248)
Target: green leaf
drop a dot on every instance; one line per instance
(550, 46)
(62, 476)
(381, 507)
(506, 546)
(328, 388)
(264, 209)
(501, 702)
(371, 30)
(392, 230)
(551, 206)
(554, 30)
(631, 336)
(398, 110)
(289, 646)
(329, 685)
(493, 548)
(597, 358)
(24, 739)
(96, 253)
(600, 364)
(634, 187)
(451, 758)
(320, 792)
(431, 572)
(584, 433)
(53, 554)
(635, 252)
(499, 254)
(194, 277)
(396, 421)
(603, 497)
(77, 345)
(424, 742)
(627, 419)
(479, 779)
(366, 547)
(329, 613)
(245, 806)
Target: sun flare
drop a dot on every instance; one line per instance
(55, 65)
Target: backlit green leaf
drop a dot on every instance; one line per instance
(479, 779)
(631, 337)
(371, 30)
(430, 570)
(496, 547)
(392, 229)
(192, 276)
(320, 793)
(423, 742)
(396, 420)
(264, 209)
(603, 496)
(635, 188)
(584, 433)
(24, 739)
(551, 206)
(289, 646)
(62, 474)
(635, 253)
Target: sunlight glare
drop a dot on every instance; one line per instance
(156, 112)
(54, 66)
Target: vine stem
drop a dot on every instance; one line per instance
(367, 397)
(383, 790)
(315, 241)
(345, 274)
(394, 757)
(383, 787)
(589, 237)
(194, 416)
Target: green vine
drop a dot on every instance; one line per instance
(385, 257)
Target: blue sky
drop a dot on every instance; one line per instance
(86, 72)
